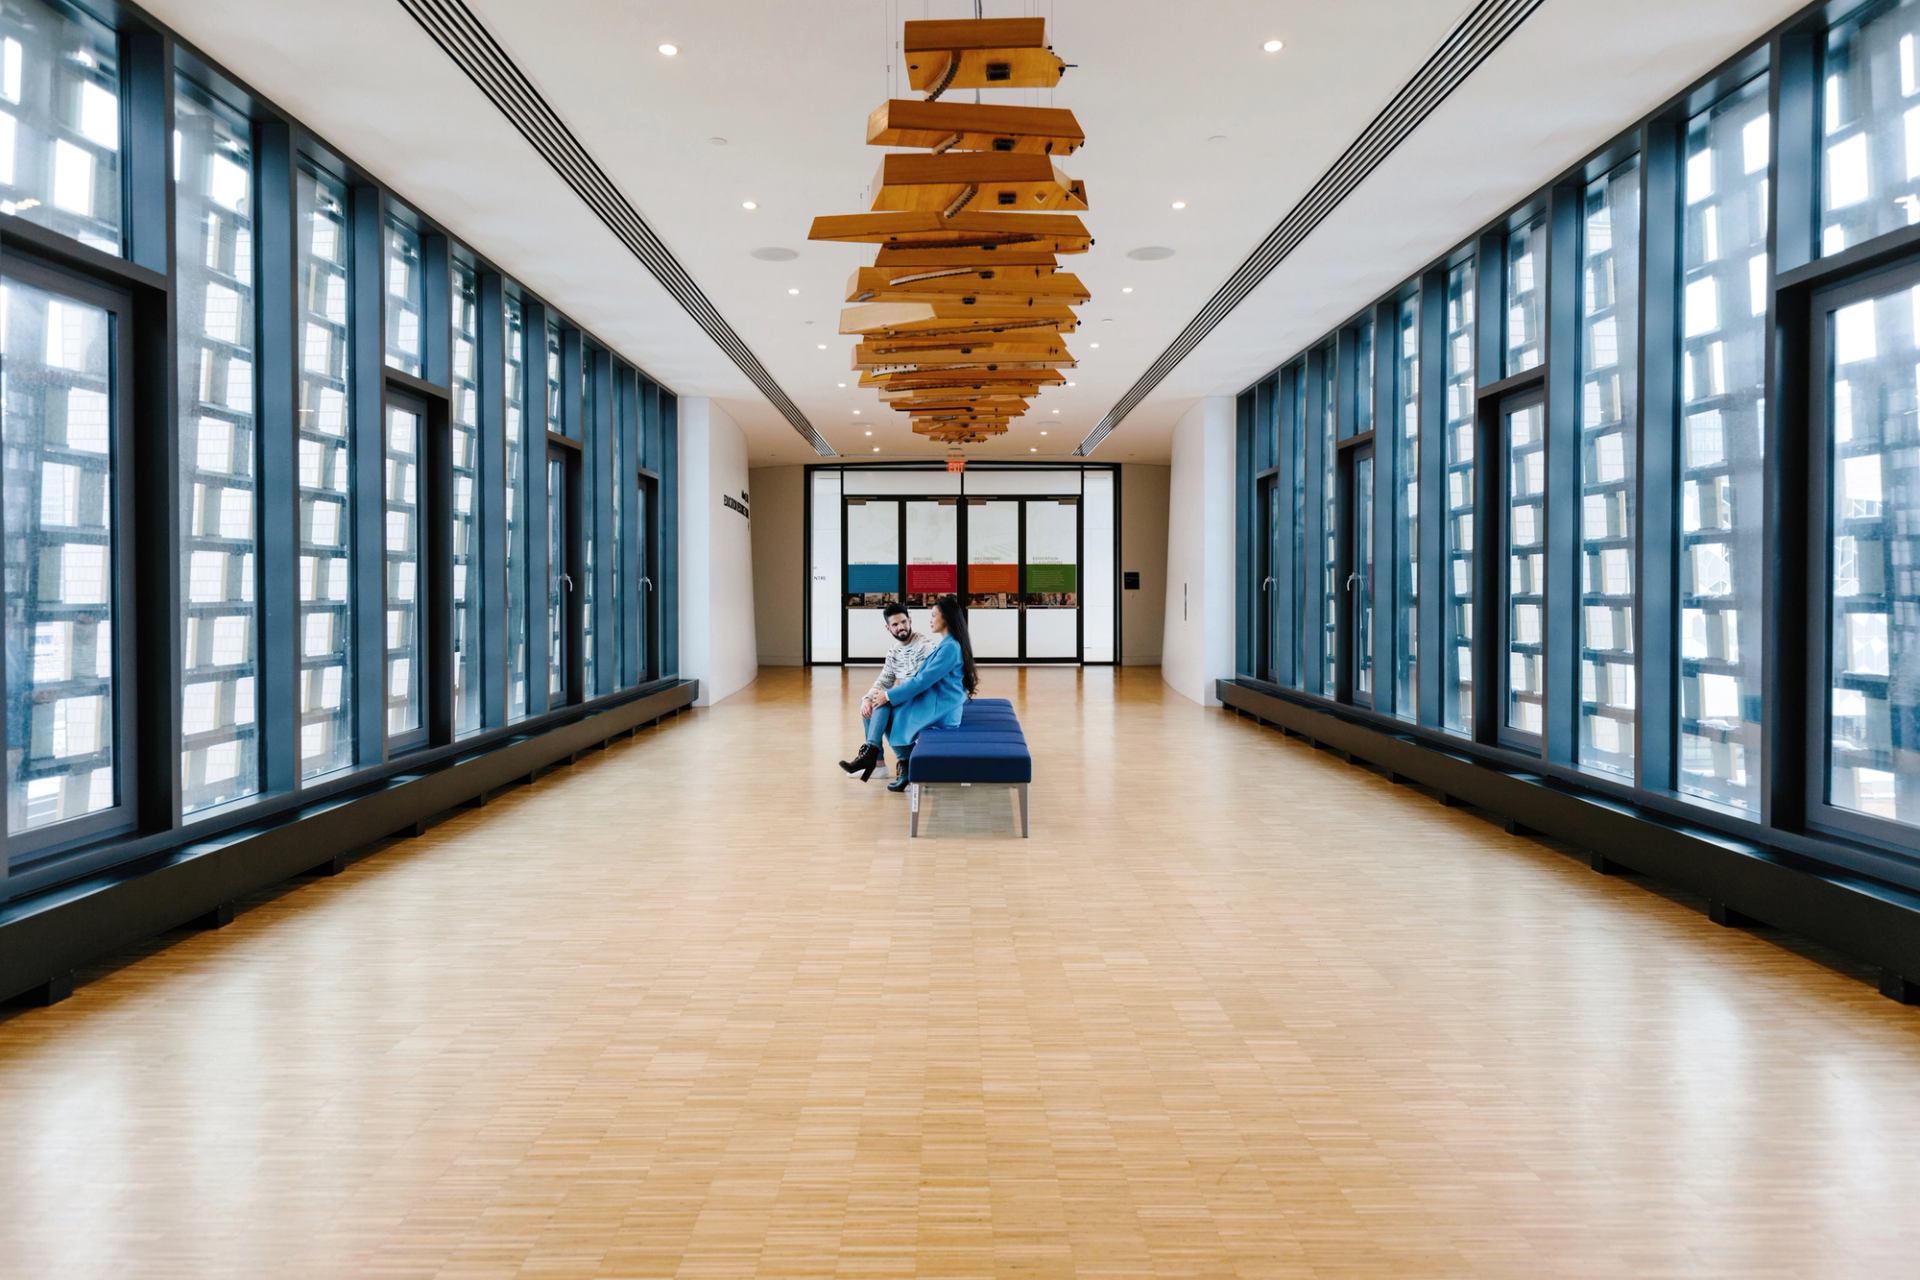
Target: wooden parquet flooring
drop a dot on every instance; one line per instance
(696, 1007)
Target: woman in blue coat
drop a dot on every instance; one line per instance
(936, 693)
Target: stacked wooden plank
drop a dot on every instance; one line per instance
(962, 317)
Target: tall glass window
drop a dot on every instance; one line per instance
(1524, 444)
(618, 483)
(406, 295)
(1870, 171)
(1526, 295)
(1329, 503)
(590, 482)
(213, 221)
(1406, 697)
(1363, 377)
(1873, 532)
(60, 122)
(464, 437)
(60, 552)
(1302, 638)
(1609, 310)
(326, 604)
(1723, 477)
(401, 556)
(1461, 411)
(515, 357)
(556, 404)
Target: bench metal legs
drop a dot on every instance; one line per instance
(913, 808)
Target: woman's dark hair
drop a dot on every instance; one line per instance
(893, 607)
(956, 619)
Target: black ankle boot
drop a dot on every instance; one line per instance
(899, 782)
(865, 761)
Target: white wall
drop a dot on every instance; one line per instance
(779, 563)
(717, 641)
(1143, 549)
(1198, 644)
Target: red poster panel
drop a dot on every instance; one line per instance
(933, 577)
(993, 577)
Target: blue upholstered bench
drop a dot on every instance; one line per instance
(987, 748)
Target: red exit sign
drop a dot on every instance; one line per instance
(956, 464)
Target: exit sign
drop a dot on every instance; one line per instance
(956, 464)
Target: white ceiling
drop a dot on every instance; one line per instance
(789, 85)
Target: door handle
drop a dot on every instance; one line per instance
(566, 581)
(646, 583)
(1353, 580)
(1267, 584)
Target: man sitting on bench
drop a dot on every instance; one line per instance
(910, 649)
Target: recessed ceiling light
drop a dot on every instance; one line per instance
(840, 384)
(1073, 384)
(1043, 433)
(669, 50)
(1179, 204)
(822, 346)
(1096, 346)
(1274, 46)
(792, 291)
(1033, 451)
(749, 204)
(717, 141)
(1150, 253)
(869, 433)
(856, 413)
(1056, 411)
(774, 253)
(1126, 288)
(876, 448)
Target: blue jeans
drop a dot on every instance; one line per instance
(877, 725)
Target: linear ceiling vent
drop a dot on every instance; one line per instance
(473, 49)
(1469, 44)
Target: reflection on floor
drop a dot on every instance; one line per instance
(696, 1007)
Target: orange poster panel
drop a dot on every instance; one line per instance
(993, 577)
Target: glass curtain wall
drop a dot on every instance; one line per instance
(1706, 584)
(307, 584)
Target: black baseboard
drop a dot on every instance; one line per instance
(1744, 883)
(45, 938)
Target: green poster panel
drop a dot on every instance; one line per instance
(1052, 577)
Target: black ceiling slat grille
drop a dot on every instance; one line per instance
(456, 29)
(1469, 44)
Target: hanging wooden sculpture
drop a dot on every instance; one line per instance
(961, 319)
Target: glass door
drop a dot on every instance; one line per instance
(401, 559)
(1523, 510)
(873, 574)
(1359, 581)
(1266, 627)
(993, 576)
(1050, 563)
(645, 640)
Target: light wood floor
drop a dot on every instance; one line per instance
(695, 1007)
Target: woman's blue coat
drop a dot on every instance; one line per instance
(932, 695)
